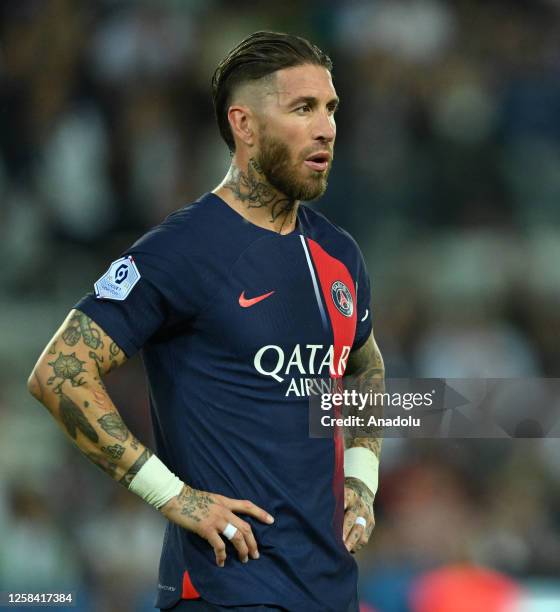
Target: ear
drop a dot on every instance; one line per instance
(241, 121)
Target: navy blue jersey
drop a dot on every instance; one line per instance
(235, 322)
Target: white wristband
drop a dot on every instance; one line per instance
(363, 464)
(155, 483)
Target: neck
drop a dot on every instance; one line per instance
(251, 195)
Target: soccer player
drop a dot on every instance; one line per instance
(238, 302)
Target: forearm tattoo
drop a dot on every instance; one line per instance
(108, 466)
(367, 371)
(68, 370)
(115, 451)
(74, 419)
(135, 468)
(92, 354)
(113, 424)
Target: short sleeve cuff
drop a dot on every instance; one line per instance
(360, 340)
(101, 312)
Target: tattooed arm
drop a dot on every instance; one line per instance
(367, 372)
(67, 379)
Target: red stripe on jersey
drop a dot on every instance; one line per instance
(189, 592)
(331, 271)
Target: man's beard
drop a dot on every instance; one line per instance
(276, 164)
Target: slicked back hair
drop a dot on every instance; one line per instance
(255, 57)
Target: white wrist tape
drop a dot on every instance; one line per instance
(155, 483)
(363, 464)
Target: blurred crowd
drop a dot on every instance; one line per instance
(447, 172)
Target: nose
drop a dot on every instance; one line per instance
(324, 127)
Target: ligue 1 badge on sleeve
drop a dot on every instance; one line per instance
(118, 281)
(342, 298)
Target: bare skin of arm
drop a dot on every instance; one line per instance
(67, 380)
(365, 366)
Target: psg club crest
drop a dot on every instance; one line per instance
(342, 298)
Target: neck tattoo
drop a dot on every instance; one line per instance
(254, 191)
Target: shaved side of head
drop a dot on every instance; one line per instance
(255, 94)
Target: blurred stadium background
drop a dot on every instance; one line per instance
(447, 172)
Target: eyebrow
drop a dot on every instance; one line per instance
(312, 101)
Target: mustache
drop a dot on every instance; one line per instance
(314, 151)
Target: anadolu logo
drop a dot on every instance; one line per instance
(342, 298)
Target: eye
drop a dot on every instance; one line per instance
(303, 109)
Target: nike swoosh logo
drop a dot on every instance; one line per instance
(365, 316)
(245, 303)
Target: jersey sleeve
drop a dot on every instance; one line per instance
(143, 293)
(363, 307)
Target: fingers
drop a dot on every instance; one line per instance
(243, 540)
(356, 535)
(212, 527)
(349, 520)
(354, 540)
(219, 547)
(247, 532)
(245, 506)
